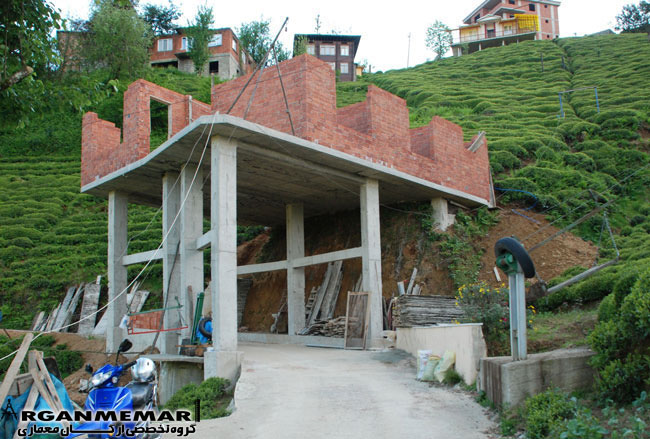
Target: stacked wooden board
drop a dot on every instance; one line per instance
(409, 311)
(327, 328)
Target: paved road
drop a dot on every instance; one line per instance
(288, 391)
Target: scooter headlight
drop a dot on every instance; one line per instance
(99, 378)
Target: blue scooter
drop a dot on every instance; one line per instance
(139, 394)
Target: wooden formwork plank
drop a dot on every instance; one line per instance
(73, 306)
(14, 367)
(88, 307)
(319, 297)
(64, 309)
(29, 406)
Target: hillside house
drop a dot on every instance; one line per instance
(227, 58)
(501, 22)
(261, 164)
(338, 51)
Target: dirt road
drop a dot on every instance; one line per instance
(300, 392)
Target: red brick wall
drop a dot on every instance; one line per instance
(101, 150)
(376, 130)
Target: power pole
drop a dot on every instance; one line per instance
(408, 53)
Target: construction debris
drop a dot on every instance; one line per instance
(327, 294)
(326, 328)
(410, 310)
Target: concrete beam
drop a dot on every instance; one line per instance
(324, 258)
(191, 228)
(371, 255)
(139, 258)
(295, 275)
(223, 263)
(171, 202)
(261, 268)
(117, 274)
(204, 241)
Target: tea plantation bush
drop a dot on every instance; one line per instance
(622, 339)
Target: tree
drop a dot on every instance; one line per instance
(438, 38)
(161, 18)
(199, 33)
(255, 38)
(634, 18)
(119, 40)
(300, 46)
(27, 44)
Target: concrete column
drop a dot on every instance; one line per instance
(191, 228)
(371, 255)
(117, 274)
(295, 276)
(223, 263)
(441, 217)
(171, 201)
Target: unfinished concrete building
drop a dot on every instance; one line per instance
(266, 168)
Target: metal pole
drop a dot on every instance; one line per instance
(561, 107)
(597, 103)
(517, 315)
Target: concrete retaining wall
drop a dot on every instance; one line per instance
(466, 340)
(510, 382)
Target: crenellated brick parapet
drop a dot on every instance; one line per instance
(101, 149)
(376, 129)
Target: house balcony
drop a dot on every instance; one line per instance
(492, 35)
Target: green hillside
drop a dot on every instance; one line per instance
(504, 92)
(51, 236)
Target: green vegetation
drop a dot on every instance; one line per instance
(51, 236)
(556, 414)
(67, 361)
(124, 52)
(212, 394)
(199, 33)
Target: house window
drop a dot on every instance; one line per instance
(217, 40)
(186, 43)
(512, 15)
(476, 18)
(507, 29)
(512, 2)
(332, 65)
(545, 6)
(327, 49)
(531, 8)
(344, 67)
(344, 50)
(311, 49)
(165, 45)
(547, 21)
(234, 45)
(214, 66)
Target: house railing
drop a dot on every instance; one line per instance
(486, 35)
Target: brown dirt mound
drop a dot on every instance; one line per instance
(550, 260)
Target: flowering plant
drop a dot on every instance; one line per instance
(489, 306)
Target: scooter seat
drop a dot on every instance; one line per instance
(141, 394)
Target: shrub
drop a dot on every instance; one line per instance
(504, 159)
(621, 346)
(607, 308)
(210, 392)
(580, 160)
(546, 153)
(546, 411)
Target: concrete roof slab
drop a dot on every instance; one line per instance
(273, 169)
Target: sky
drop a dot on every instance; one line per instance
(384, 28)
